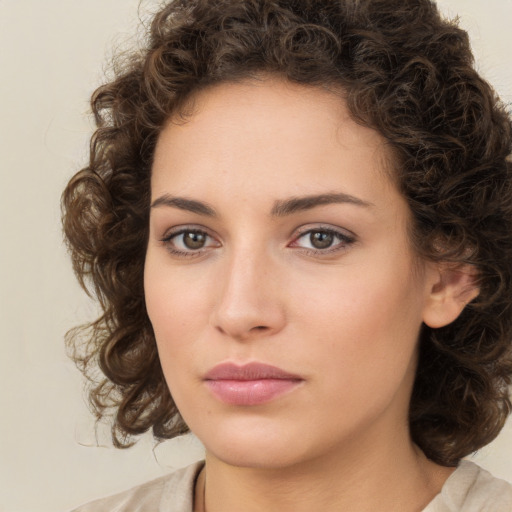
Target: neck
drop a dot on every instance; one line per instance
(376, 476)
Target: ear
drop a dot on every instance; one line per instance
(449, 289)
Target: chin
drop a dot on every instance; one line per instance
(262, 447)
(252, 447)
(256, 457)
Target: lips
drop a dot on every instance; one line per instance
(250, 384)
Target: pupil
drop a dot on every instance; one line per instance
(321, 239)
(194, 240)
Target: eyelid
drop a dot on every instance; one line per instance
(345, 237)
(306, 228)
(184, 228)
(176, 231)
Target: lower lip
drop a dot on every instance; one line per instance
(250, 392)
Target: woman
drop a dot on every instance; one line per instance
(297, 218)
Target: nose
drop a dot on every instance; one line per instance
(250, 304)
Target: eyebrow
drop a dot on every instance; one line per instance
(280, 208)
(183, 203)
(295, 204)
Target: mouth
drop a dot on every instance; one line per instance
(250, 384)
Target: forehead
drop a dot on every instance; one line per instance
(272, 137)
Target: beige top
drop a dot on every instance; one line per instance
(468, 489)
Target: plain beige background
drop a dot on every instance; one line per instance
(52, 56)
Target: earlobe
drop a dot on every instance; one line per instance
(449, 289)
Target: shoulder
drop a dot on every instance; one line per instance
(170, 493)
(471, 488)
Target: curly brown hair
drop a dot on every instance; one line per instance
(404, 71)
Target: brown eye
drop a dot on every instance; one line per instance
(194, 240)
(189, 242)
(321, 239)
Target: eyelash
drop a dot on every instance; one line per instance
(167, 240)
(343, 241)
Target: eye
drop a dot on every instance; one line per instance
(192, 240)
(187, 242)
(323, 240)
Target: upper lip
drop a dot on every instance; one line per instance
(250, 371)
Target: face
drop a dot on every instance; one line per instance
(280, 283)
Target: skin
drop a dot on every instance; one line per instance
(345, 319)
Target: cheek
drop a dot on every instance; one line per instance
(175, 296)
(367, 355)
(367, 323)
(175, 306)
(179, 303)
(177, 318)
